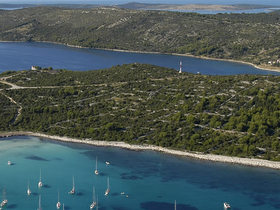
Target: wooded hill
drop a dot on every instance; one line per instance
(144, 104)
(247, 37)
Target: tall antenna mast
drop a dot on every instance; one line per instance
(181, 65)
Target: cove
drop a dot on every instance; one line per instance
(22, 55)
(149, 180)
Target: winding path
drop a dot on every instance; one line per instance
(19, 111)
(13, 86)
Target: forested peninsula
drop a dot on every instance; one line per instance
(147, 105)
(252, 38)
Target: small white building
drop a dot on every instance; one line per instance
(34, 68)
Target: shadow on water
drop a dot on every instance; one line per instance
(127, 176)
(259, 201)
(275, 202)
(34, 157)
(80, 194)
(102, 174)
(118, 208)
(12, 206)
(115, 194)
(152, 205)
(46, 186)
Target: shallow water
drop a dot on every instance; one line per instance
(247, 11)
(21, 56)
(151, 180)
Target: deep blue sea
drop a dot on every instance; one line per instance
(22, 55)
(248, 11)
(149, 180)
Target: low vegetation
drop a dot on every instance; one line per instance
(252, 38)
(144, 104)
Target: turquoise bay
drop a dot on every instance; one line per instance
(151, 180)
(22, 55)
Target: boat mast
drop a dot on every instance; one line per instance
(96, 170)
(4, 194)
(108, 188)
(96, 164)
(72, 191)
(93, 194)
(58, 204)
(39, 201)
(40, 183)
(97, 203)
(28, 188)
(39, 208)
(108, 185)
(73, 184)
(175, 205)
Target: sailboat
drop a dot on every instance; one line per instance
(5, 201)
(28, 189)
(93, 204)
(40, 183)
(72, 191)
(58, 204)
(96, 170)
(226, 205)
(39, 207)
(108, 188)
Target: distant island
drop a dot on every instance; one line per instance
(252, 38)
(147, 105)
(147, 6)
(193, 7)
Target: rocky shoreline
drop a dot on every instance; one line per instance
(196, 155)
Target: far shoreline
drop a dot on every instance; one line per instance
(196, 155)
(274, 69)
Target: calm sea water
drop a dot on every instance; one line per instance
(248, 11)
(22, 55)
(151, 180)
(11, 8)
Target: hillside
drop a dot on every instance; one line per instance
(144, 104)
(248, 37)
